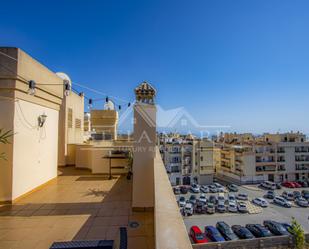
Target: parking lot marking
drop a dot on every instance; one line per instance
(253, 209)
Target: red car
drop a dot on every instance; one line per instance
(289, 184)
(197, 236)
(296, 184)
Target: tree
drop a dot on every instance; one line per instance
(298, 233)
(4, 139)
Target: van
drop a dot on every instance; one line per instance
(269, 185)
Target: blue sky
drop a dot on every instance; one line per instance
(239, 63)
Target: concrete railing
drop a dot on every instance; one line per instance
(170, 230)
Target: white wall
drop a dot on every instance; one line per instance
(35, 149)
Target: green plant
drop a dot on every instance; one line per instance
(298, 233)
(4, 139)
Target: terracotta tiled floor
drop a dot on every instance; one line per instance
(76, 206)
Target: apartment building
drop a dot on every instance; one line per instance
(273, 157)
(187, 159)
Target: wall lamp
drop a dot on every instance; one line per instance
(67, 88)
(42, 119)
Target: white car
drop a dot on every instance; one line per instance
(220, 189)
(188, 209)
(242, 207)
(260, 202)
(204, 189)
(231, 197)
(288, 196)
(221, 198)
(242, 196)
(195, 188)
(203, 198)
(282, 202)
(302, 202)
(232, 207)
(218, 185)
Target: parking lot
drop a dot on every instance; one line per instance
(273, 211)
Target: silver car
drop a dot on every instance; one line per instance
(282, 202)
(242, 207)
(232, 207)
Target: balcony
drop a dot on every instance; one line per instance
(266, 168)
(75, 206)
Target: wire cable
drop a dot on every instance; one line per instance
(78, 84)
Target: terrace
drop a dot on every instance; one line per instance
(75, 206)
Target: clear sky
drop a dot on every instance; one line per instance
(241, 63)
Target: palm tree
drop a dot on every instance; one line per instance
(4, 139)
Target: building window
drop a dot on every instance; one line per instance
(78, 123)
(70, 118)
(201, 158)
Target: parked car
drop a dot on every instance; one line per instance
(221, 207)
(195, 188)
(226, 231)
(203, 198)
(220, 188)
(212, 199)
(296, 194)
(204, 189)
(200, 208)
(302, 202)
(218, 185)
(242, 196)
(188, 209)
(282, 202)
(258, 230)
(297, 185)
(268, 185)
(260, 202)
(270, 194)
(197, 236)
(213, 234)
(184, 189)
(212, 189)
(192, 199)
(287, 226)
(221, 197)
(231, 198)
(210, 208)
(232, 188)
(176, 190)
(303, 183)
(242, 207)
(232, 207)
(242, 232)
(278, 186)
(288, 185)
(305, 194)
(288, 195)
(275, 228)
(182, 201)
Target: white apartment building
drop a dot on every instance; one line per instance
(187, 159)
(273, 157)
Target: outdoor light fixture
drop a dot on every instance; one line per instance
(67, 87)
(42, 119)
(31, 89)
(90, 103)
